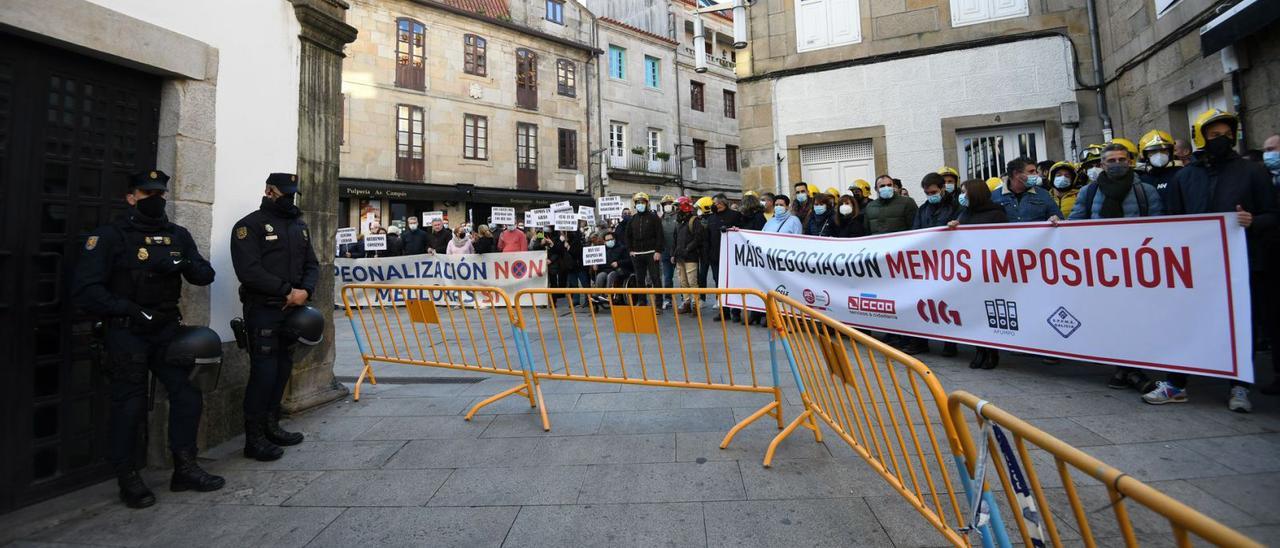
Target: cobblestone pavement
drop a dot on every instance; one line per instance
(640, 466)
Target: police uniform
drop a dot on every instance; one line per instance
(272, 254)
(130, 273)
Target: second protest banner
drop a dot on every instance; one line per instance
(1165, 293)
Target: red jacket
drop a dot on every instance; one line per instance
(512, 241)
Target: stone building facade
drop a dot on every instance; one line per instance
(838, 90)
(217, 98)
(710, 151)
(459, 106)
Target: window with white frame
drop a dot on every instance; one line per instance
(984, 152)
(969, 12)
(827, 23)
(655, 144)
(617, 144)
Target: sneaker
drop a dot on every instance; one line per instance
(1239, 401)
(1165, 393)
(1119, 381)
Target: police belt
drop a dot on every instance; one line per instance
(262, 300)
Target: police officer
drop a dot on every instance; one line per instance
(272, 254)
(130, 273)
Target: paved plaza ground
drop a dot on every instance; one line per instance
(640, 466)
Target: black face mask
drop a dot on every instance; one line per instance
(151, 206)
(1219, 147)
(286, 200)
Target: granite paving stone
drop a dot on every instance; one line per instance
(662, 482)
(371, 488)
(435, 527)
(614, 525)
(511, 486)
(820, 522)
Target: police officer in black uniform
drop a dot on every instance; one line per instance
(130, 273)
(277, 267)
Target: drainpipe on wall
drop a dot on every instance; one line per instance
(1100, 84)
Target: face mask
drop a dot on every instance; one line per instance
(819, 209)
(667, 208)
(1033, 180)
(802, 197)
(886, 192)
(1061, 182)
(935, 198)
(702, 212)
(779, 210)
(641, 207)
(846, 209)
(1117, 171)
(950, 187)
(1093, 173)
(1271, 159)
(152, 206)
(609, 243)
(286, 200)
(413, 226)
(764, 203)
(964, 200)
(1159, 159)
(1218, 147)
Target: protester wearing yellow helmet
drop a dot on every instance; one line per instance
(644, 240)
(861, 192)
(1220, 181)
(1063, 183)
(1157, 154)
(1127, 144)
(950, 178)
(994, 183)
(1090, 166)
(703, 205)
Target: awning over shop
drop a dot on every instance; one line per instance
(398, 190)
(1233, 25)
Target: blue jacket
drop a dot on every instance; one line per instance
(1130, 203)
(785, 224)
(931, 215)
(1033, 205)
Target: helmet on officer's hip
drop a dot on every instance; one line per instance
(306, 324)
(194, 345)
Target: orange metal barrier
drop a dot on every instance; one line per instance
(621, 340)
(1027, 495)
(453, 327)
(887, 406)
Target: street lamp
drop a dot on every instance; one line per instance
(739, 9)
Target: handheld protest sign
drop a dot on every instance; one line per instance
(346, 236)
(593, 255)
(375, 242)
(503, 215)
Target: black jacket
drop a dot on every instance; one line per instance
(616, 254)
(696, 248)
(931, 215)
(1208, 186)
(992, 214)
(395, 246)
(272, 254)
(644, 233)
(817, 224)
(846, 227)
(752, 217)
(415, 241)
(485, 244)
(716, 223)
(439, 241)
(684, 238)
(129, 265)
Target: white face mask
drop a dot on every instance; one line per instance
(1093, 173)
(1159, 159)
(667, 208)
(764, 203)
(846, 209)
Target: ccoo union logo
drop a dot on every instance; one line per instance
(870, 305)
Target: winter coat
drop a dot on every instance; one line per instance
(415, 241)
(439, 241)
(696, 249)
(992, 214)
(669, 225)
(395, 246)
(931, 215)
(847, 227)
(890, 215)
(784, 224)
(1160, 178)
(684, 237)
(716, 223)
(453, 248)
(1129, 204)
(1219, 186)
(512, 241)
(644, 233)
(485, 244)
(817, 223)
(1031, 206)
(752, 217)
(1066, 202)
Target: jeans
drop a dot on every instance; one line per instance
(581, 279)
(668, 276)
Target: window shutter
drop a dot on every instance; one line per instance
(843, 19)
(811, 24)
(1008, 8)
(969, 11)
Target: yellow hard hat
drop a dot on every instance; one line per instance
(813, 190)
(1155, 139)
(944, 170)
(750, 194)
(640, 196)
(1127, 144)
(833, 191)
(864, 185)
(993, 183)
(703, 203)
(668, 199)
(1092, 153)
(1208, 117)
(1065, 164)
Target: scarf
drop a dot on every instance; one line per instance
(1113, 193)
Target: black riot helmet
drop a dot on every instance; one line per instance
(306, 324)
(193, 346)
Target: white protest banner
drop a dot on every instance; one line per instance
(510, 272)
(528, 218)
(346, 235)
(428, 216)
(375, 242)
(610, 207)
(566, 221)
(1166, 293)
(586, 214)
(593, 255)
(503, 216)
(561, 206)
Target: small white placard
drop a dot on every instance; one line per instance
(428, 216)
(375, 242)
(528, 219)
(346, 235)
(503, 215)
(593, 255)
(542, 217)
(566, 221)
(561, 206)
(587, 214)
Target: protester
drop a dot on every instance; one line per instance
(823, 211)
(849, 221)
(690, 233)
(395, 246)
(889, 212)
(975, 198)
(1064, 187)
(414, 238)
(616, 269)
(720, 220)
(374, 228)
(1045, 168)
(766, 205)
(438, 238)
(783, 221)
(644, 241)
(1090, 167)
(1157, 154)
(1219, 180)
(1022, 199)
(1182, 152)
(512, 240)
(752, 211)
(537, 242)
(1271, 265)
(950, 180)
(938, 210)
(861, 191)
(802, 206)
(460, 244)
(668, 262)
(484, 242)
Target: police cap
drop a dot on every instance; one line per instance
(149, 180)
(286, 182)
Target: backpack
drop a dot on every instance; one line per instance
(1139, 193)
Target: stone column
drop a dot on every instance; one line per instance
(324, 33)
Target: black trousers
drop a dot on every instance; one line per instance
(132, 355)
(270, 360)
(648, 274)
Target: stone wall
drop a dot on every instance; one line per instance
(710, 124)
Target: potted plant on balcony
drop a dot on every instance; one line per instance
(638, 151)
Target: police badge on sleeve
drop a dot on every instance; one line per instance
(91, 243)
(242, 232)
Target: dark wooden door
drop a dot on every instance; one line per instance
(71, 130)
(526, 156)
(526, 79)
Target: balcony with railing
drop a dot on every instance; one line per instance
(712, 61)
(641, 165)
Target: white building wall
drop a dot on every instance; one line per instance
(910, 97)
(256, 110)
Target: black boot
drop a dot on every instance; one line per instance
(280, 436)
(256, 444)
(993, 359)
(188, 475)
(133, 491)
(949, 350)
(979, 360)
